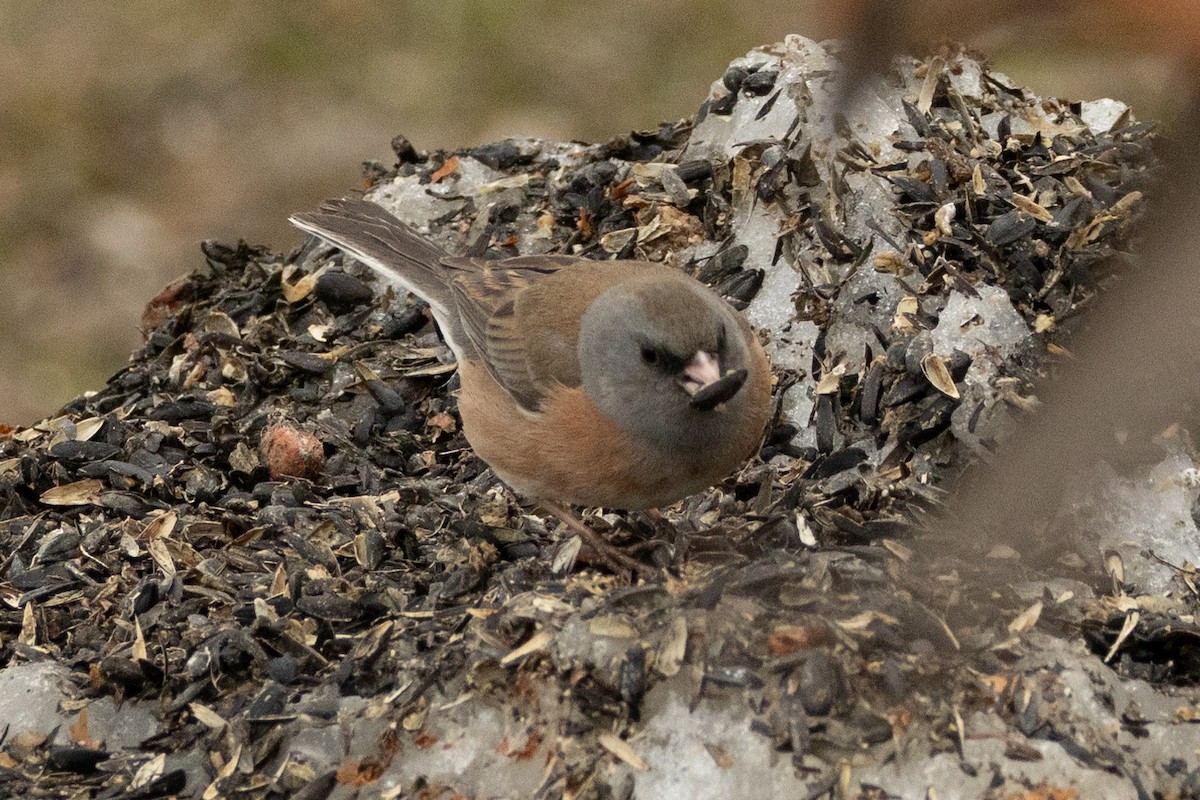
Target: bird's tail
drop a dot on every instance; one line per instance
(383, 243)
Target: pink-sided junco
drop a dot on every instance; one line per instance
(621, 384)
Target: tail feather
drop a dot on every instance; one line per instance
(385, 244)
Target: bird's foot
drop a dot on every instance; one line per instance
(621, 561)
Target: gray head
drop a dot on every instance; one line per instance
(666, 360)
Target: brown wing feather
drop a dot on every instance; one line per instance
(522, 315)
(519, 316)
(486, 297)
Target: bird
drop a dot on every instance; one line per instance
(618, 384)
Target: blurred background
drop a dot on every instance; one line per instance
(131, 130)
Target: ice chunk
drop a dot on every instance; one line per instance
(866, 303)
(30, 695)
(417, 203)
(772, 308)
(793, 349)
(1101, 115)
(869, 202)
(29, 698)
(978, 326)
(1134, 516)
(680, 745)
(966, 76)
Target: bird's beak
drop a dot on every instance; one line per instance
(702, 378)
(699, 371)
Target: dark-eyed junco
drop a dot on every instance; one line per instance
(621, 384)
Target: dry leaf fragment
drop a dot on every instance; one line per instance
(565, 556)
(222, 397)
(938, 374)
(831, 380)
(906, 308)
(621, 749)
(503, 184)
(29, 625)
(960, 731)
(152, 770)
(78, 493)
(1124, 206)
(1123, 603)
(1131, 622)
(1043, 323)
(933, 73)
(207, 717)
(79, 731)
(442, 422)
(673, 649)
(85, 429)
(162, 556)
(720, 755)
(213, 790)
(808, 537)
(533, 644)
(448, 167)
(978, 184)
(220, 322)
(616, 241)
(860, 622)
(900, 551)
(243, 458)
(162, 525)
(1058, 350)
(1026, 619)
(279, 582)
(302, 287)
(943, 217)
(139, 652)
(1032, 208)
(613, 626)
(431, 371)
(1114, 565)
(787, 639)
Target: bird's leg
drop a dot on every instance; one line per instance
(664, 531)
(606, 552)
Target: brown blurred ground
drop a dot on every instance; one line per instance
(129, 131)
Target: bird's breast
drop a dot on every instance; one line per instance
(570, 452)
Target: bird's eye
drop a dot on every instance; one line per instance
(721, 339)
(649, 354)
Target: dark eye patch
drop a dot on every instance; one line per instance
(657, 355)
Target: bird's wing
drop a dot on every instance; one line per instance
(519, 316)
(392, 249)
(522, 316)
